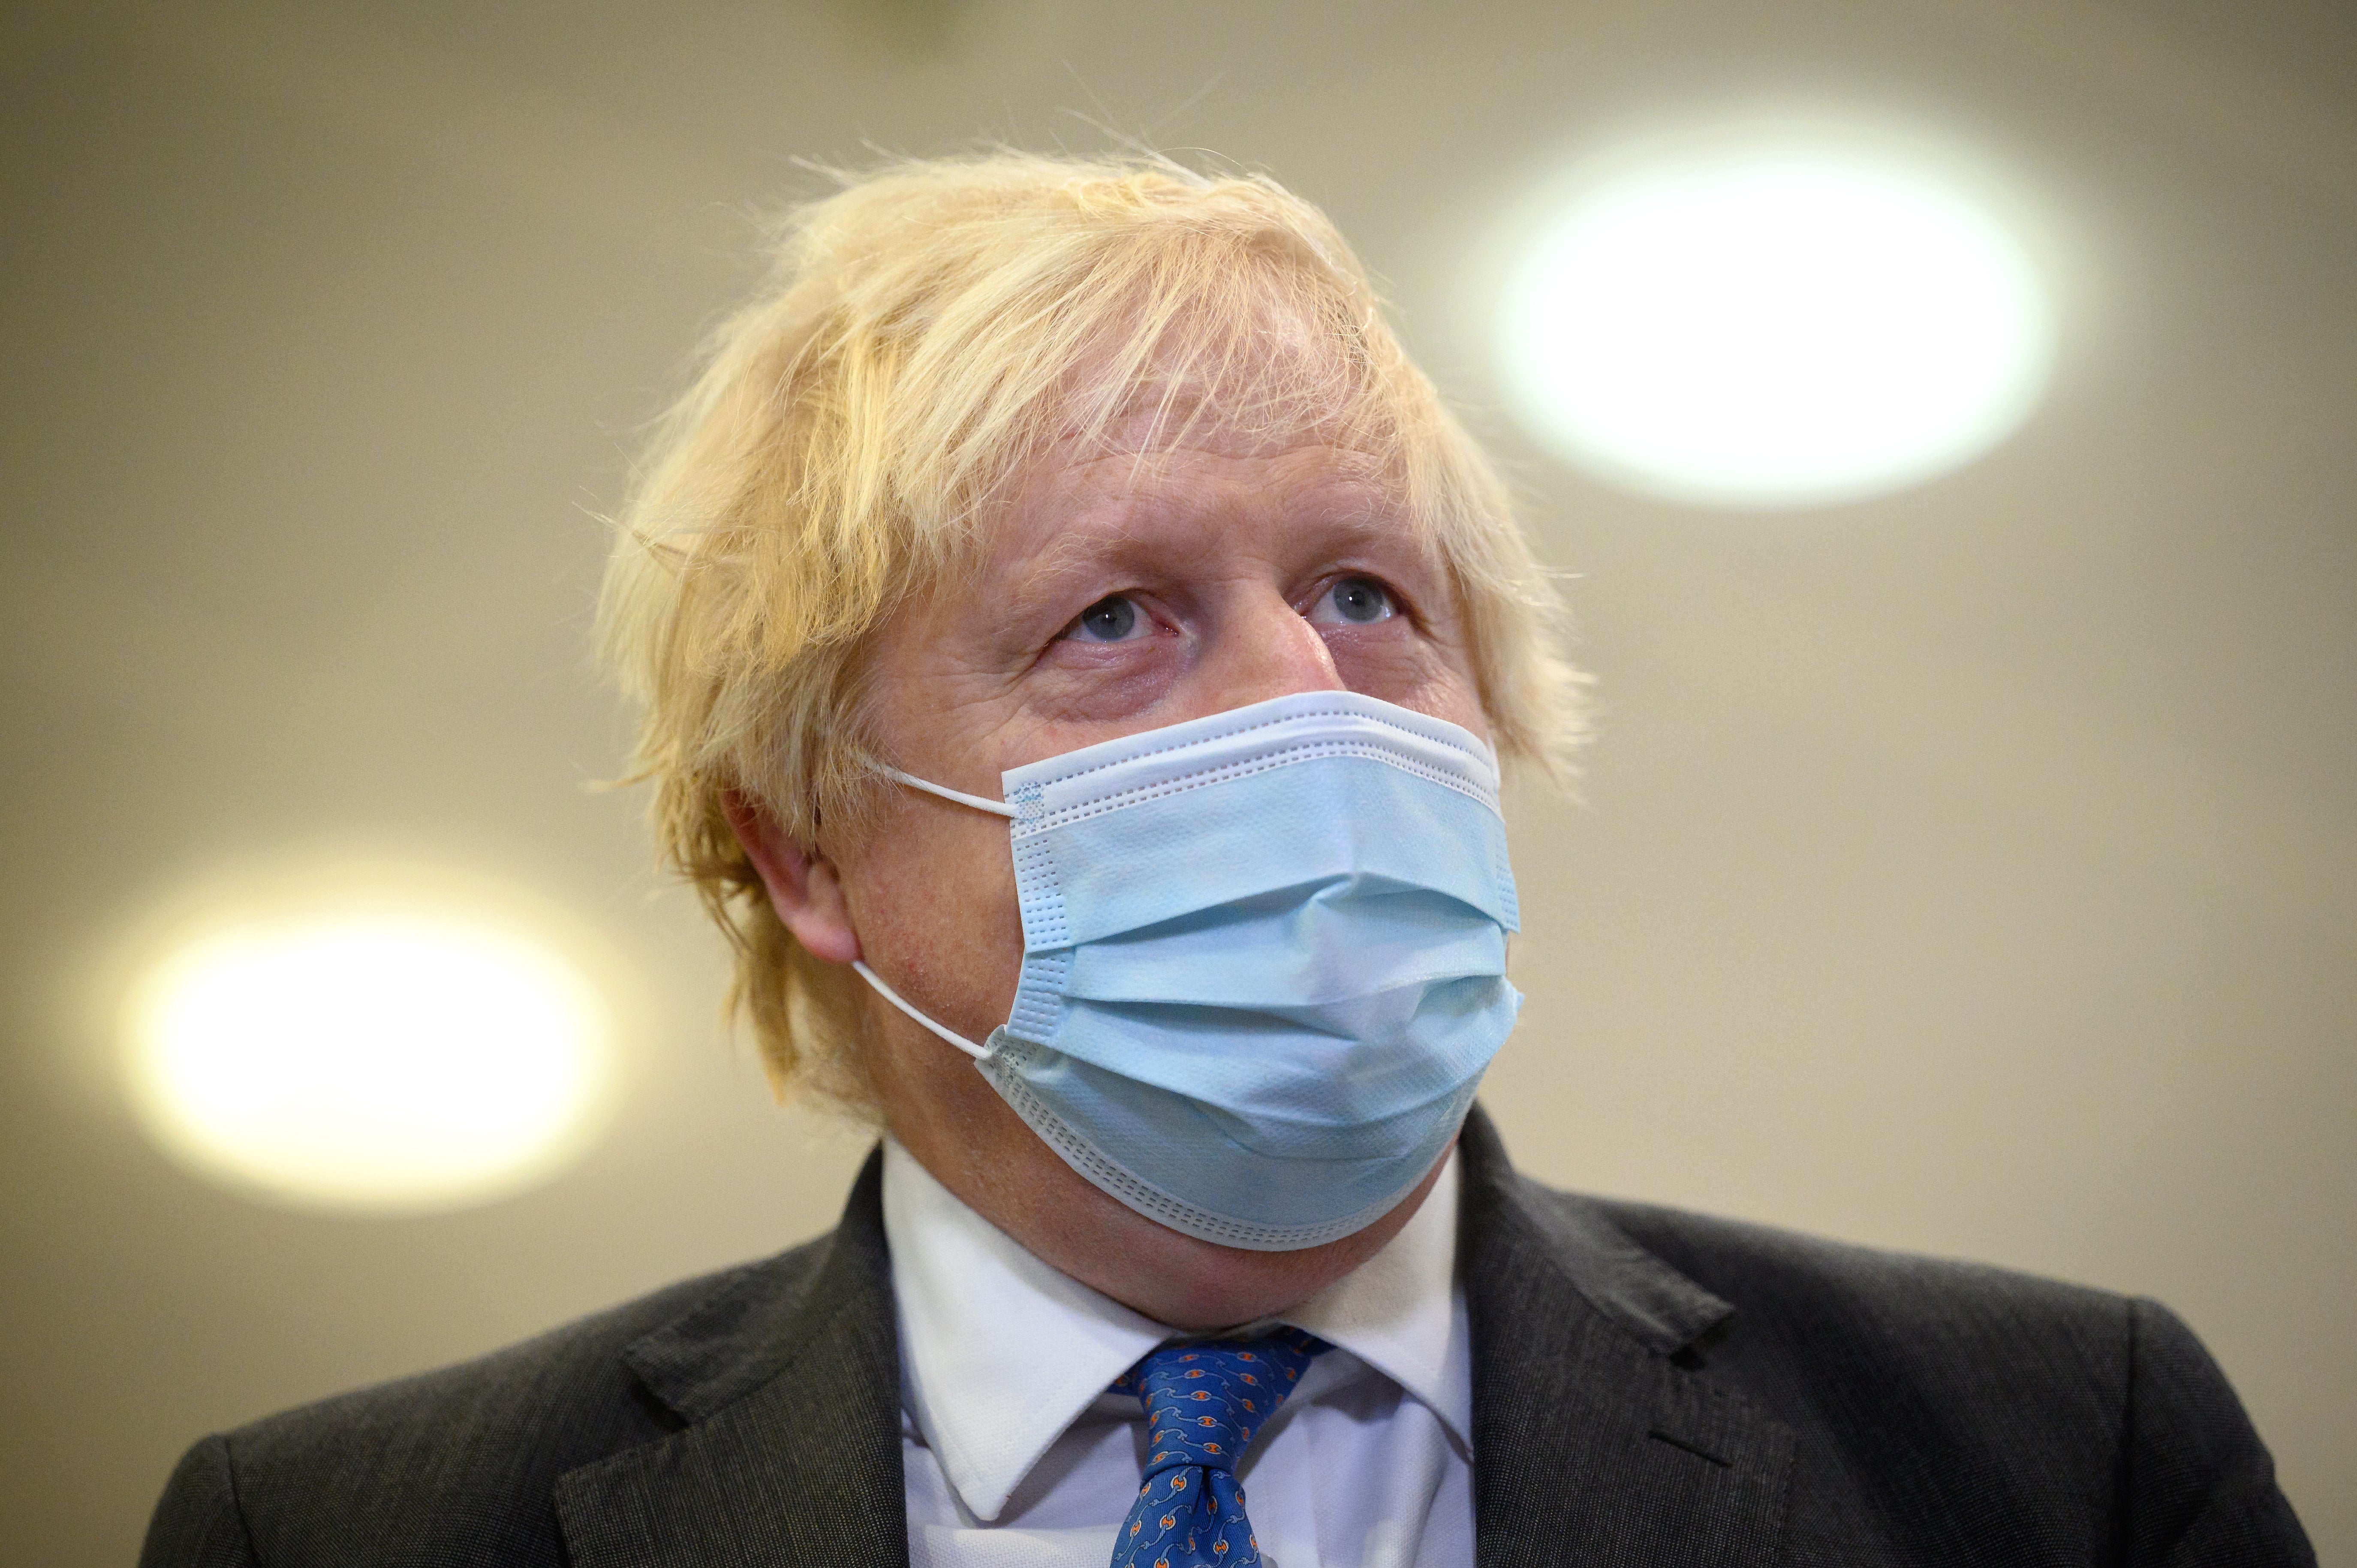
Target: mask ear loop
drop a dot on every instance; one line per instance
(980, 804)
(978, 1053)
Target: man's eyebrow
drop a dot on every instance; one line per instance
(1072, 553)
(1350, 513)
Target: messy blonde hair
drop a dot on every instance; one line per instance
(928, 330)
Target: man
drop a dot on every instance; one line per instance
(1076, 647)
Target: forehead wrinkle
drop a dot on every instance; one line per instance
(1158, 467)
(1148, 518)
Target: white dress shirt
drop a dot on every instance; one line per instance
(1017, 1456)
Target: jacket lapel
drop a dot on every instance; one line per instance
(1598, 1436)
(789, 1382)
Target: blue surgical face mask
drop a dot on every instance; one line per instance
(1263, 964)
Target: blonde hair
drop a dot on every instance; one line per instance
(927, 331)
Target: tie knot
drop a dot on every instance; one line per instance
(1204, 1400)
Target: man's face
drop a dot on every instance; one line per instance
(1117, 594)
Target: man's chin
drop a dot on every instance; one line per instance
(1185, 1282)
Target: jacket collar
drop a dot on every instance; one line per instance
(788, 1380)
(1599, 1435)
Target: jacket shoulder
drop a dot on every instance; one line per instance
(1931, 1396)
(1873, 1347)
(1790, 1282)
(455, 1465)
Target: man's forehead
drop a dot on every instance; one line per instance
(1226, 418)
(1084, 502)
(1178, 432)
(1262, 376)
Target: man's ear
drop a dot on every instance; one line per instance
(803, 888)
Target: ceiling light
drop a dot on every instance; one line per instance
(1759, 325)
(374, 1059)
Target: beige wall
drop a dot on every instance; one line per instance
(1969, 871)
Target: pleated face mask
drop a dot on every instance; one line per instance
(1263, 964)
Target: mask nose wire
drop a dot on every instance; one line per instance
(980, 804)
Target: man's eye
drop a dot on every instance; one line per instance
(1353, 601)
(1112, 619)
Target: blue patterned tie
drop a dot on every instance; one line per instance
(1204, 1402)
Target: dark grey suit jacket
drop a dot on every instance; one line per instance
(1649, 1388)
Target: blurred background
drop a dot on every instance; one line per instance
(1968, 867)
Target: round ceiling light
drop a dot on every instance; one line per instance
(382, 1060)
(1759, 325)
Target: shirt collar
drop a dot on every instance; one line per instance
(1402, 1311)
(975, 1310)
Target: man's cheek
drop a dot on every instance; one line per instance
(942, 906)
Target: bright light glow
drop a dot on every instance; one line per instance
(381, 1061)
(1761, 326)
